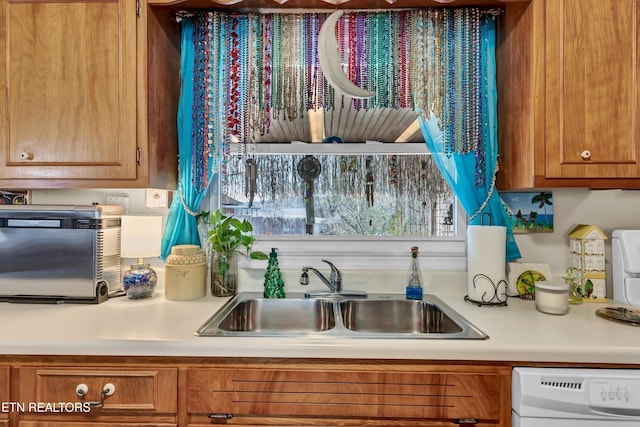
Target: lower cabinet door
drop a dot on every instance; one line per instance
(344, 394)
(62, 396)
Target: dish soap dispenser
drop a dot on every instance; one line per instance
(414, 277)
(273, 283)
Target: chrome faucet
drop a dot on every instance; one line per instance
(334, 283)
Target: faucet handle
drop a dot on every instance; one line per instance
(334, 269)
(336, 276)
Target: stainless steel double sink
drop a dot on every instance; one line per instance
(248, 314)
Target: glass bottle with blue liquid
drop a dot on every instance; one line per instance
(414, 277)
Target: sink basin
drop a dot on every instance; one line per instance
(396, 316)
(272, 316)
(378, 316)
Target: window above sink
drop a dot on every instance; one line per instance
(425, 212)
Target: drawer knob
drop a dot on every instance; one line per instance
(586, 154)
(82, 390)
(107, 390)
(26, 156)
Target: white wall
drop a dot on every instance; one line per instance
(606, 209)
(89, 196)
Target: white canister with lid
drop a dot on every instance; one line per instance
(185, 273)
(552, 298)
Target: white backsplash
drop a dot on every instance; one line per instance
(607, 209)
(93, 195)
(373, 281)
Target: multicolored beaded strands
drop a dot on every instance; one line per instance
(446, 77)
(264, 66)
(207, 113)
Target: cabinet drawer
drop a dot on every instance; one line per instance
(153, 390)
(344, 393)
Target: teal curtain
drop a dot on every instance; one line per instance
(200, 71)
(477, 193)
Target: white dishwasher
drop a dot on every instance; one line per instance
(573, 397)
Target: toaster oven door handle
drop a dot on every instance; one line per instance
(33, 223)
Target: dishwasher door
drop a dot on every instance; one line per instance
(572, 397)
(517, 421)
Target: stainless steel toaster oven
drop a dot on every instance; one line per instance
(59, 253)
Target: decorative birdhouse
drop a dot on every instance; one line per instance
(586, 246)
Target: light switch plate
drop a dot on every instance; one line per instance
(156, 199)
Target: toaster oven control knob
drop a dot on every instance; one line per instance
(26, 156)
(82, 390)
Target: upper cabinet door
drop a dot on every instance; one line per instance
(68, 80)
(591, 66)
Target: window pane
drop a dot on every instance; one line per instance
(342, 195)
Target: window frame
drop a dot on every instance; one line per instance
(355, 252)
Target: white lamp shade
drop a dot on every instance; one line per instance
(141, 236)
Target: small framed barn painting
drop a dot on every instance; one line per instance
(530, 212)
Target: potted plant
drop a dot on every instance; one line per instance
(228, 236)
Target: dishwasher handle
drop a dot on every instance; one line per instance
(616, 412)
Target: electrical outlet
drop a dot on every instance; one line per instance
(156, 199)
(119, 200)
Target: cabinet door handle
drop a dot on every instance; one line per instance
(469, 422)
(586, 155)
(26, 156)
(83, 389)
(220, 416)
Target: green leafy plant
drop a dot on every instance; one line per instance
(227, 234)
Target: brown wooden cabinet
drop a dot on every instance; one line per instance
(169, 391)
(142, 396)
(348, 394)
(73, 107)
(568, 84)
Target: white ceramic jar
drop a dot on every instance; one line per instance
(185, 273)
(552, 298)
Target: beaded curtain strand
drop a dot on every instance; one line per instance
(265, 66)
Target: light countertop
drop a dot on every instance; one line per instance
(158, 327)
